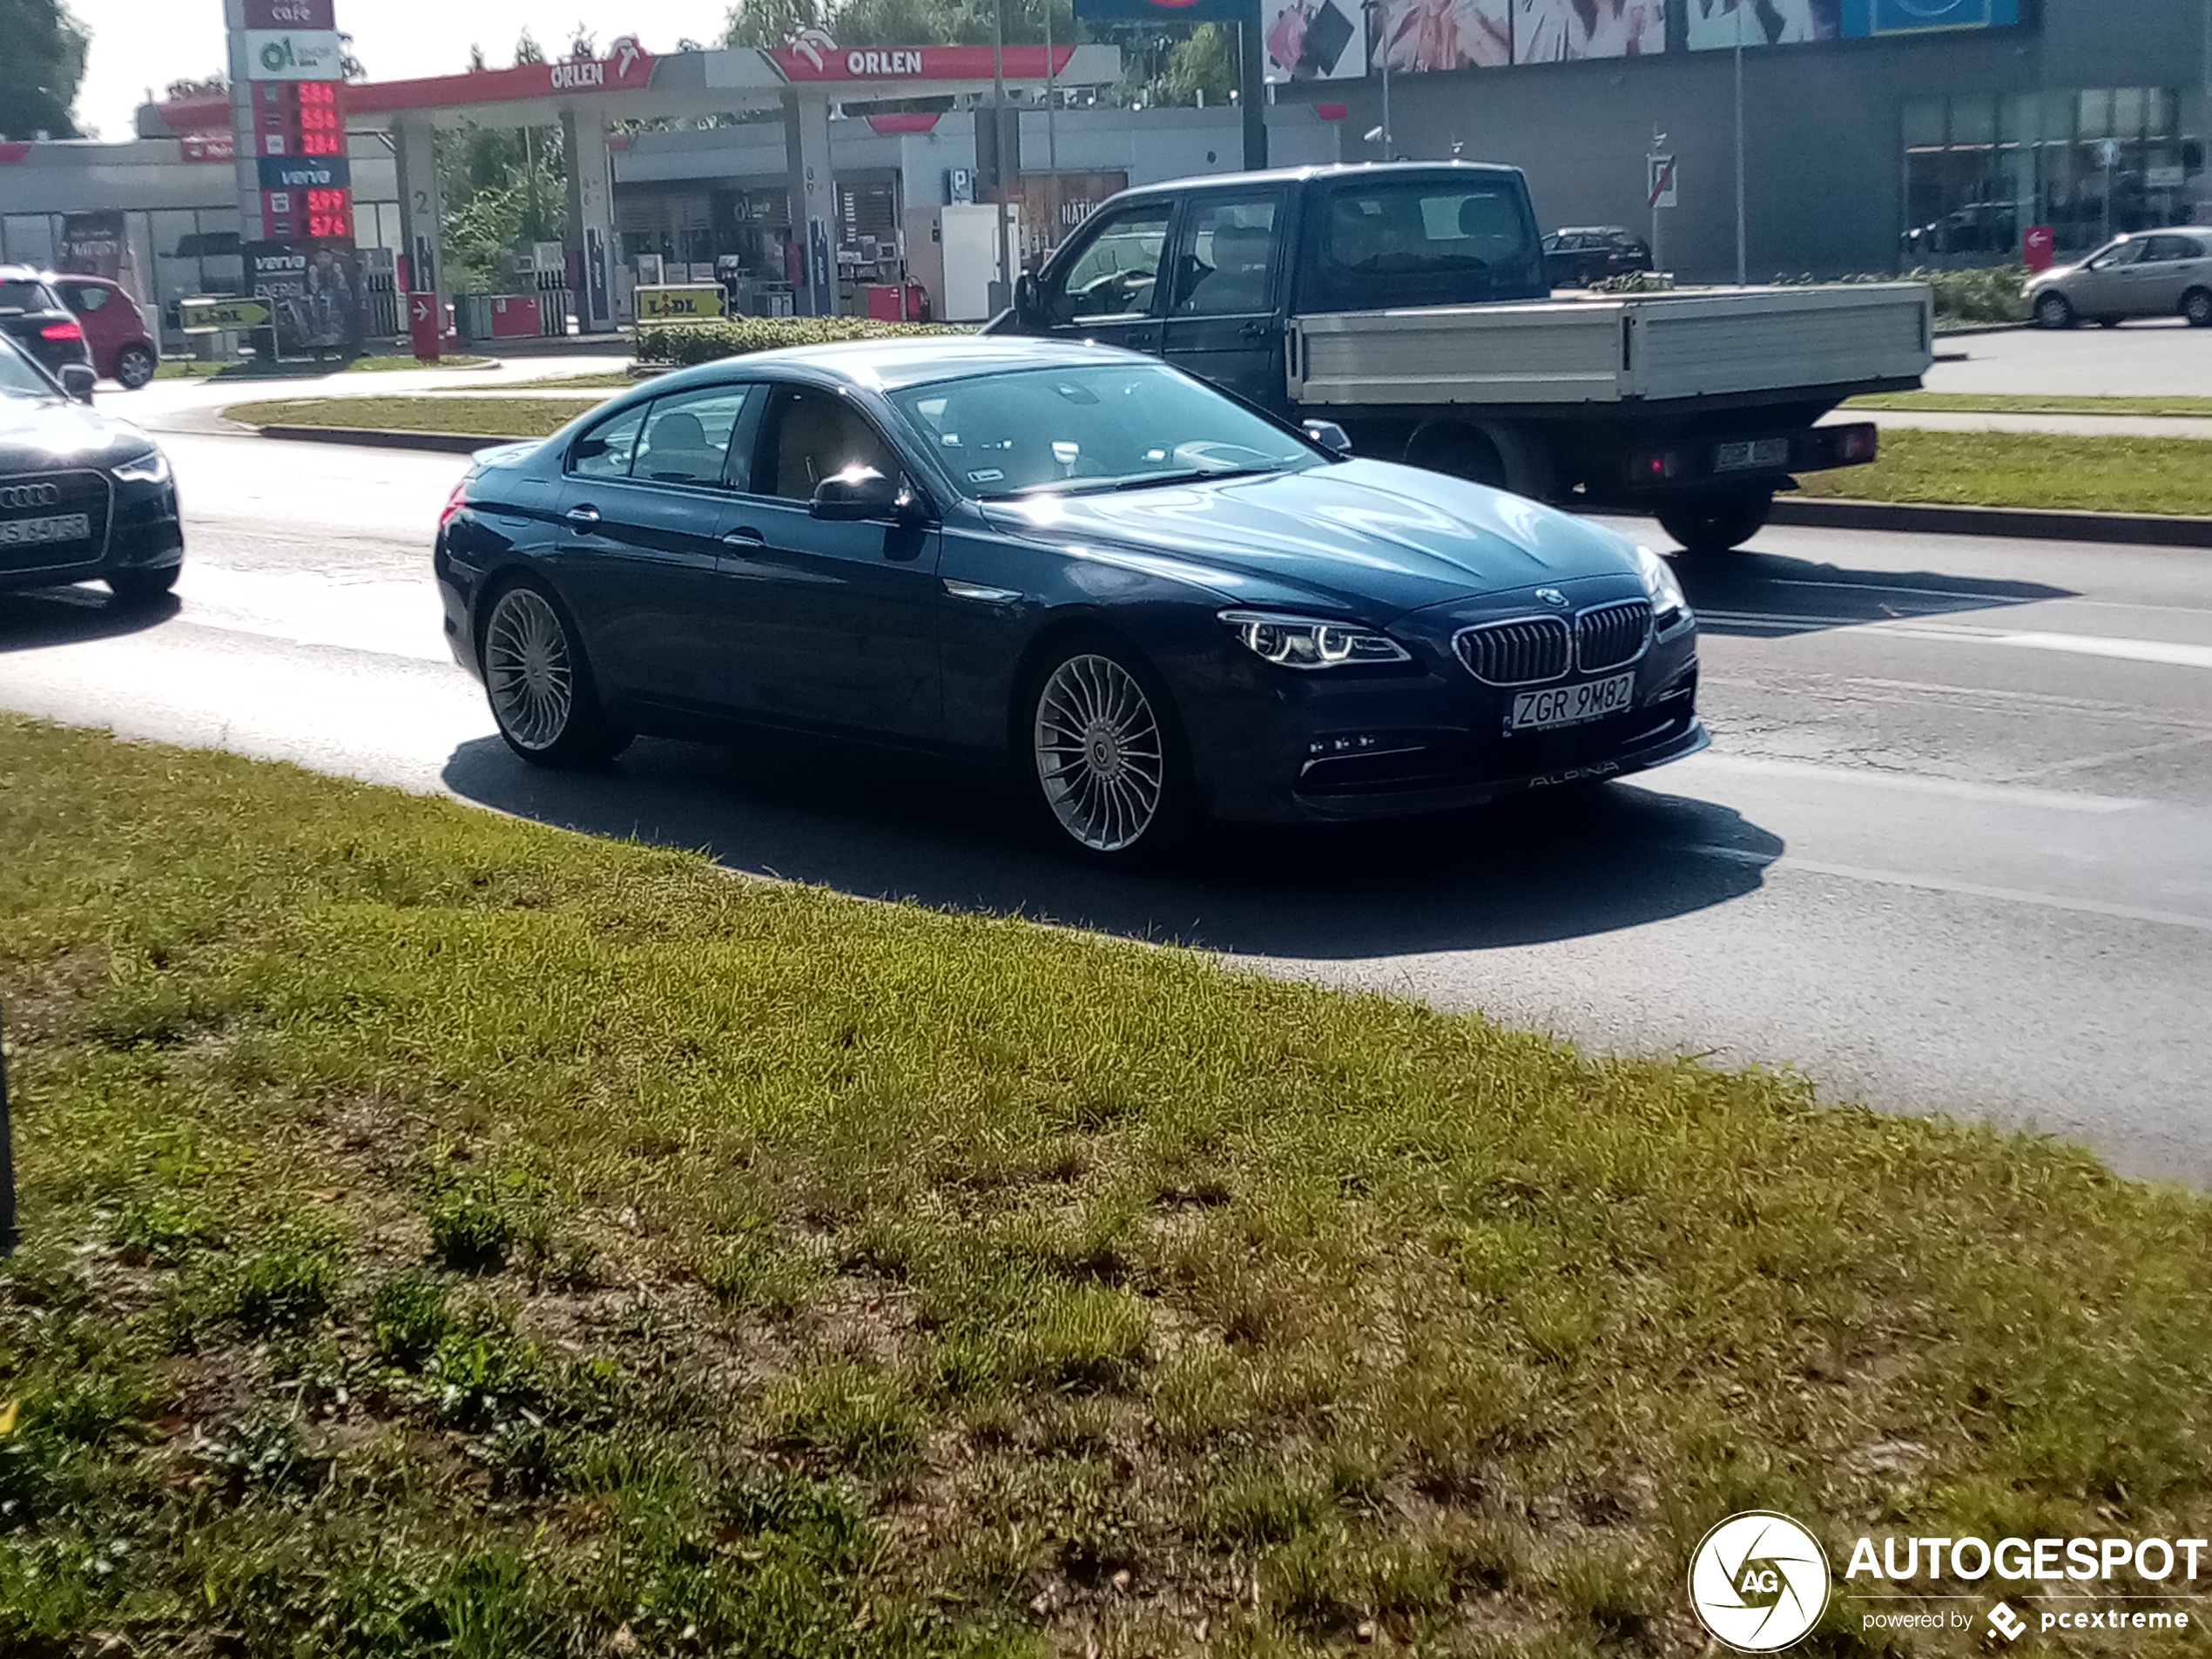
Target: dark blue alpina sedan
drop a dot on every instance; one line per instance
(1147, 602)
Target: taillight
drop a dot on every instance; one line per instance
(61, 331)
(456, 500)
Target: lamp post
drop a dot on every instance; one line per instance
(1003, 290)
(1377, 11)
(1743, 255)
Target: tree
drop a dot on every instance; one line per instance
(40, 69)
(1205, 62)
(504, 188)
(527, 50)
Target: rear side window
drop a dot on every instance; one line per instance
(1422, 242)
(607, 450)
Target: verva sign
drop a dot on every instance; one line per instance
(812, 56)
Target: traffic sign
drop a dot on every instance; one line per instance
(695, 302)
(1663, 177)
(212, 316)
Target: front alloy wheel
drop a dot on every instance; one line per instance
(1101, 757)
(2054, 311)
(134, 367)
(539, 687)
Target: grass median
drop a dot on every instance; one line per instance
(2030, 469)
(490, 418)
(450, 1236)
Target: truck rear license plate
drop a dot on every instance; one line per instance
(62, 527)
(1572, 705)
(1761, 454)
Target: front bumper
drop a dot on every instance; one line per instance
(1276, 746)
(137, 527)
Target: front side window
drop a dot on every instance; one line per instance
(1111, 426)
(814, 434)
(1113, 279)
(83, 298)
(2119, 254)
(687, 437)
(607, 450)
(1223, 256)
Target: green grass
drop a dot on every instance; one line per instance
(193, 368)
(485, 417)
(450, 1236)
(2019, 404)
(2030, 469)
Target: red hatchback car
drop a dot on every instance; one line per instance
(122, 350)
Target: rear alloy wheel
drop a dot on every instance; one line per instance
(1102, 758)
(2054, 311)
(539, 685)
(143, 587)
(1718, 523)
(2196, 305)
(134, 367)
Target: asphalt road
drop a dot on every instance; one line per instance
(1952, 851)
(2153, 357)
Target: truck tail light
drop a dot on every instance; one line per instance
(1855, 444)
(1655, 466)
(61, 331)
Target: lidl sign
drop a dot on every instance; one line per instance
(699, 302)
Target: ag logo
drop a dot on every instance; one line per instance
(1758, 1582)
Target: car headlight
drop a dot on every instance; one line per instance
(1668, 600)
(151, 467)
(1308, 642)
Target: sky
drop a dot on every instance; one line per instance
(141, 44)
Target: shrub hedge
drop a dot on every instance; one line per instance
(679, 344)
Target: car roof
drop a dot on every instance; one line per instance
(1591, 230)
(1334, 170)
(894, 365)
(20, 273)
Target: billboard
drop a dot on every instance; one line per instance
(313, 290)
(1417, 35)
(1719, 24)
(1314, 40)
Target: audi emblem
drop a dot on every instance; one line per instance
(30, 494)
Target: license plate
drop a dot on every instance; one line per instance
(1762, 454)
(30, 532)
(1572, 705)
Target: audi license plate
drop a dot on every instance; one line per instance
(1762, 454)
(32, 532)
(1572, 705)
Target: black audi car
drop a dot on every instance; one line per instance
(83, 496)
(1147, 602)
(33, 315)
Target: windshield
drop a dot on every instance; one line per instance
(1106, 426)
(19, 376)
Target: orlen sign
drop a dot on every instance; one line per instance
(629, 65)
(812, 56)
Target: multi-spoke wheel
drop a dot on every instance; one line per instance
(134, 367)
(1103, 757)
(539, 685)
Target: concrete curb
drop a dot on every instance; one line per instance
(450, 443)
(2024, 523)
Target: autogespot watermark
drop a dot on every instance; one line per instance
(1760, 1582)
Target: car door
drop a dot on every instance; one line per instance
(1224, 323)
(833, 625)
(1107, 288)
(2102, 286)
(2162, 275)
(637, 547)
(90, 302)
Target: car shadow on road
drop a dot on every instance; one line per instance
(1774, 595)
(38, 617)
(1531, 873)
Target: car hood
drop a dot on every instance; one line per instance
(36, 433)
(1364, 537)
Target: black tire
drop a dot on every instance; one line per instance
(1459, 452)
(2196, 305)
(1718, 523)
(539, 683)
(2109, 322)
(134, 367)
(1113, 789)
(2054, 311)
(144, 587)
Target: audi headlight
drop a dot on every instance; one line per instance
(1668, 600)
(151, 467)
(1307, 642)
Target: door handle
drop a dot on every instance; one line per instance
(744, 536)
(581, 519)
(1256, 330)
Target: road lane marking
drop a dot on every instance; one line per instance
(2169, 653)
(2006, 794)
(2089, 763)
(1968, 889)
(2166, 652)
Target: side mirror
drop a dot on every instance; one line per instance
(858, 493)
(1028, 303)
(77, 381)
(1330, 436)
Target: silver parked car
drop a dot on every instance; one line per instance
(2151, 273)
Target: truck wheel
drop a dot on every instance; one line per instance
(1718, 523)
(1460, 451)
